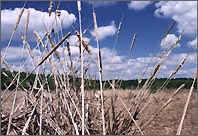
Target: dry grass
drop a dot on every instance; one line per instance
(74, 111)
(165, 124)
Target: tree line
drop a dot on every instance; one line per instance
(7, 78)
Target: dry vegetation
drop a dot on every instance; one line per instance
(165, 124)
(69, 110)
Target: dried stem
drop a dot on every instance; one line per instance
(100, 70)
(186, 107)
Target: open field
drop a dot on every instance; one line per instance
(49, 65)
(165, 124)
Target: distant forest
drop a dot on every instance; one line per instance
(90, 84)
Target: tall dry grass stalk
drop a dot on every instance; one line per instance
(100, 70)
(14, 100)
(15, 28)
(82, 68)
(53, 49)
(172, 74)
(120, 26)
(28, 47)
(143, 73)
(130, 51)
(39, 40)
(52, 45)
(186, 105)
(50, 7)
(26, 25)
(7, 65)
(69, 111)
(132, 43)
(169, 29)
(83, 43)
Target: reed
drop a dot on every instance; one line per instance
(100, 70)
(69, 109)
(186, 105)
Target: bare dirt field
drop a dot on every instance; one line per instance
(165, 124)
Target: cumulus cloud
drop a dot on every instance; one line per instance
(74, 41)
(120, 67)
(183, 12)
(36, 22)
(169, 41)
(138, 5)
(188, 68)
(192, 44)
(105, 31)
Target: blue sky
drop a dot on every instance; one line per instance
(149, 20)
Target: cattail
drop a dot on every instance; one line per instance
(39, 39)
(79, 5)
(82, 68)
(50, 8)
(149, 80)
(7, 65)
(84, 44)
(58, 13)
(68, 48)
(169, 29)
(162, 54)
(180, 65)
(19, 18)
(172, 73)
(86, 47)
(27, 23)
(52, 44)
(50, 40)
(100, 59)
(78, 35)
(15, 27)
(55, 47)
(28, 47)
(133, 41)
(100, 72)
(155, 70)
(95, 23)
(120, 26)
(85, 71)
(175, 44)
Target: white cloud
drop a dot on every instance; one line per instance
(9, 17)
(169, 41)
(138, 5)
(192, 44)
(14, 54)
(74, 44)
(74, 41)
(120, 67)
(183, 12)
(105, 31)
(102, 3)
(188, 68)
